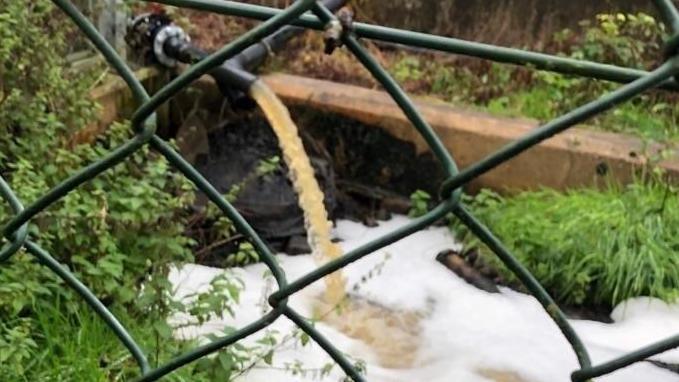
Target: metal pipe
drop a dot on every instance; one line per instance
(234, 77)
(255, 55)
(537, 60)
(231, 78)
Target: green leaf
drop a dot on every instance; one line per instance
(268, 358)
(226, 363)
(304, 339)
(163, 329)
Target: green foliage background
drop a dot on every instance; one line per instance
(114, 231)
(120, 233)
(629, 40)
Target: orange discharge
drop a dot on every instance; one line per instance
(392, 335)
(308, 192)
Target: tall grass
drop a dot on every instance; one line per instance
(588, 246)
(78, 346)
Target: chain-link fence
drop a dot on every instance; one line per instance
(143, 121)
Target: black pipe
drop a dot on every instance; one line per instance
(252, 57)
(232, 80)
(234, 77)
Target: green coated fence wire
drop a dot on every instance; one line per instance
(313, 15)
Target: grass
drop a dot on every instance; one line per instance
(589, 247)
(78, 346)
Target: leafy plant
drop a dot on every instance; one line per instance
(407, 68)
(633, 40)
(588, 246)
(419, 203)
(119, 233)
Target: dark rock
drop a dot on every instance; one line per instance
(591, 313)
(297, 245)
(382, 214)
(457, 263)
(370, 221)
(396, 204)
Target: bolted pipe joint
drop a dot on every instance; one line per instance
(158, 40)
(147, 35)
(167, 33)
(336, 28)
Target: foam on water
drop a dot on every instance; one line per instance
(465, 334)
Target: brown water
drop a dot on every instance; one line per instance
(392, 335)
(308, 191)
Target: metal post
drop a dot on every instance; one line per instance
(111, 21)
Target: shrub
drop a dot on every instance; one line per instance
(115, 228)
(119, 231)
(631, 40)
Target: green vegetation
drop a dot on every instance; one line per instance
(631, 40)
(79, 347)
(419, 203)
(587, 246)
(120, 233)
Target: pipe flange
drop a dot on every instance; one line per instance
(166, 33)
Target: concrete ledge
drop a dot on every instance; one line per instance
(115, 97)
(116, 102)
(575, 158)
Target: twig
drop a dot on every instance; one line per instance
(216, 244)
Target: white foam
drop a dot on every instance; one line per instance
(466, 329)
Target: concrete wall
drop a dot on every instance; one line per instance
(575, 158)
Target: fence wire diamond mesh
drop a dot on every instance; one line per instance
(143, 121)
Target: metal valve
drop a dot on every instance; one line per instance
(148, 33)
